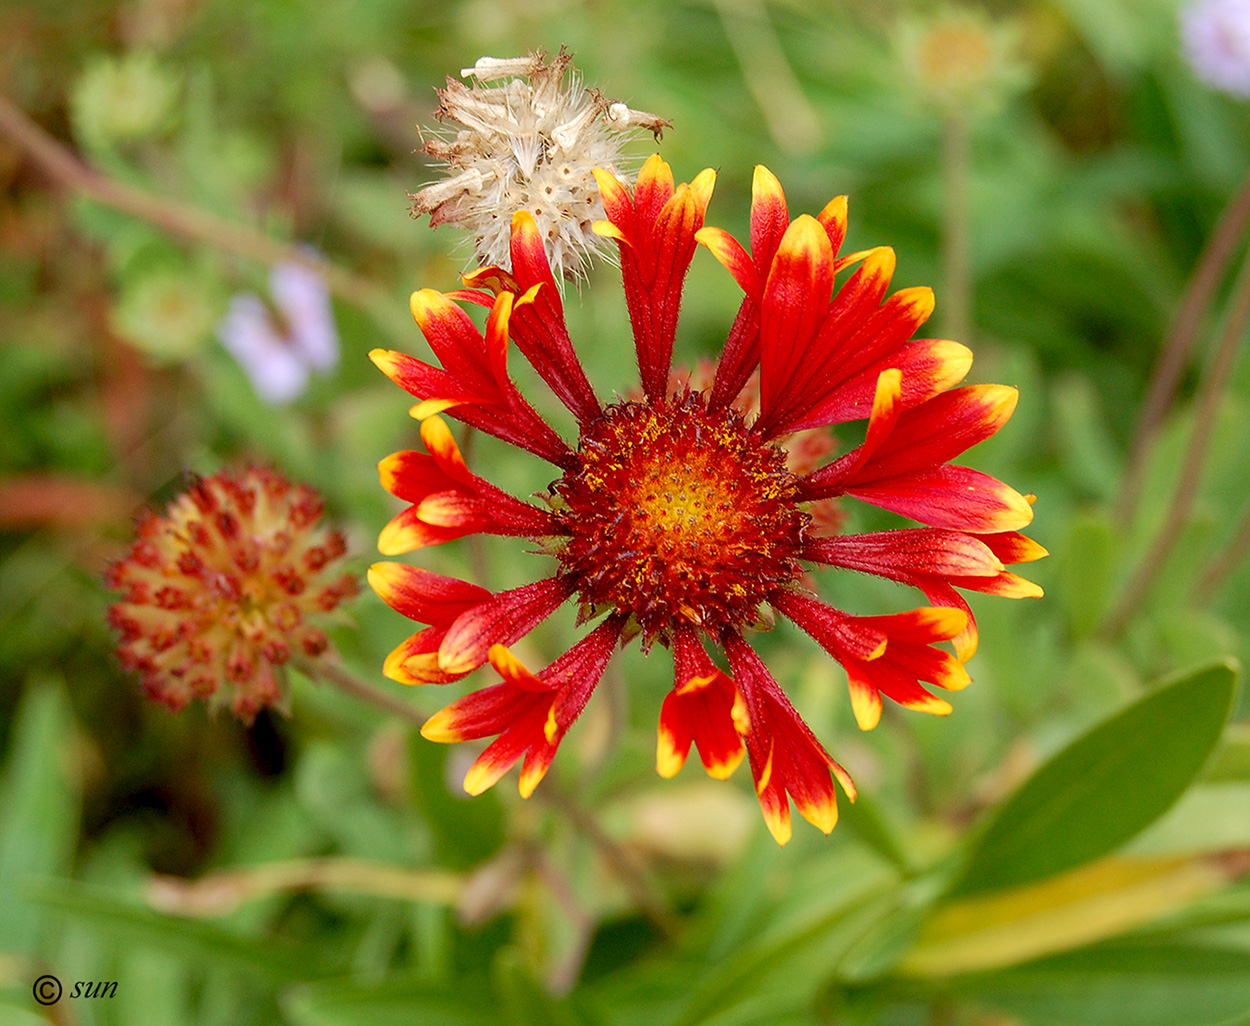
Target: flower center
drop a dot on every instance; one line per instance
(678, 514)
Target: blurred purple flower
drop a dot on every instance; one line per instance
(279, 353)
(1216, 39)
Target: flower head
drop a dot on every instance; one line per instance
(530, 143)
(225, 588)
(684, 515)
(1216, 39)
(279, 353)
(960, 61)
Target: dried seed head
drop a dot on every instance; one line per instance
(219, 592)
(530, 143)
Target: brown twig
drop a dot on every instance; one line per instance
(1174, 357)
(334, 673)
(220, 893)
(70, 172)
(620, 861)
(1222, 564)
(1209, 396)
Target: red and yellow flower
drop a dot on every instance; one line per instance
(680, 519)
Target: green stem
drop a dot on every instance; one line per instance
(1210, 394)
(1222, 564)
(1174, 357)
(70, 172)
(333, 673)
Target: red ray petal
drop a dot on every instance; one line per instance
(501, 620)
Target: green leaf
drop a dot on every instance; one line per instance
(398, 1001)
(39, 827)
(525, 1001)
(269, 959)
(465, 832)
(838, 900)
(1086, 570)
(1088, 452)
(1138, 985)
(1106, 786)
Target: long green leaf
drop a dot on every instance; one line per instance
(269, 959)
(399, 1001)
(1105, 787)
(1147, 985)
(38, 811)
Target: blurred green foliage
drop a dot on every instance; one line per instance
(1053, 853)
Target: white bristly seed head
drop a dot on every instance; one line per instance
(530, 143)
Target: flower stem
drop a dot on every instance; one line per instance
(1174, 357)
(1222, 564)
(69, 171)
(956, 241)
(334, 673)
(791, 119)
(619, 860)
(1210, 394)
(220, 893)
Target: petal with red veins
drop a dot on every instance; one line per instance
(929, 367)
(736, 260)
(423, 595)
(704, 708)
(786, 759)
(796, 297)
(901, 554)
(948, 496)
(770, 217)
(833, 219)
(501, 620)
(943, 427)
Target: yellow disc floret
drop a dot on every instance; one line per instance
(679, 514)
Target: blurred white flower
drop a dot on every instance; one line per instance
(280, 352)
(1216, 39)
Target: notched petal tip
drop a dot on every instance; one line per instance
(669, 759)
(384, 578)
(482, 775)
(531, 776)
(511, 669)
(702, 186)
(806, 238)
(428, 304)
(442, 446)
(823, 815)
(778, 822)
(766, 187)
(866, 704)
(383, 359)
(523, 221)
(441, 727)
(399, 537)
(607, 230)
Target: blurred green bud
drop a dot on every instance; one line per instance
(167, 314)
(121, 99)
(960, 61)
